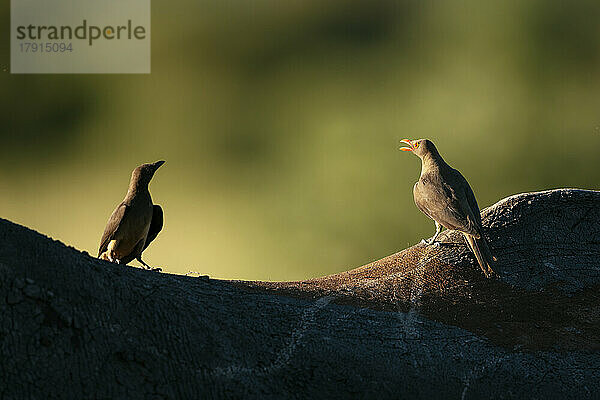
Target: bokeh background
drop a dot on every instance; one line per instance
(280, 122)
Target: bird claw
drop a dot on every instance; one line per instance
(492, 274)
(149, 268)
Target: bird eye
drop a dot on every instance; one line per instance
(416, 145)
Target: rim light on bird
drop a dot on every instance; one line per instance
(445, 196)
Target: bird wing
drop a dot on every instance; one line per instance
(443, 203)
(111, 226)
(155, 225)
(464, 201)
(472, 202)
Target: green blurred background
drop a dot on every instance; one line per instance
(280, 122)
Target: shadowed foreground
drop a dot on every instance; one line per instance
(420, 323)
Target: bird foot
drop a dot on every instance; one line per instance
(149, 268)
(491, 274)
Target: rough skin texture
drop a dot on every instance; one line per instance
(422, 323)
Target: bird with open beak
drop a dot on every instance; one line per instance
(135, 222)
(444, 195)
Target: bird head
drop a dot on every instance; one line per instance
(419, 147)
(145, 172)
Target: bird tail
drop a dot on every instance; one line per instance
(484, 258)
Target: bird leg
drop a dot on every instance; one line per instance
(147, 266)
(143, 263)
(431, 241)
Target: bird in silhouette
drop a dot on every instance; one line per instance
(444, 195)
(135, 223)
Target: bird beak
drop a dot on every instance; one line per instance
(158, 164)
(408, 142)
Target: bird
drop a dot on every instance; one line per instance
(135, 223)
(444, 195)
